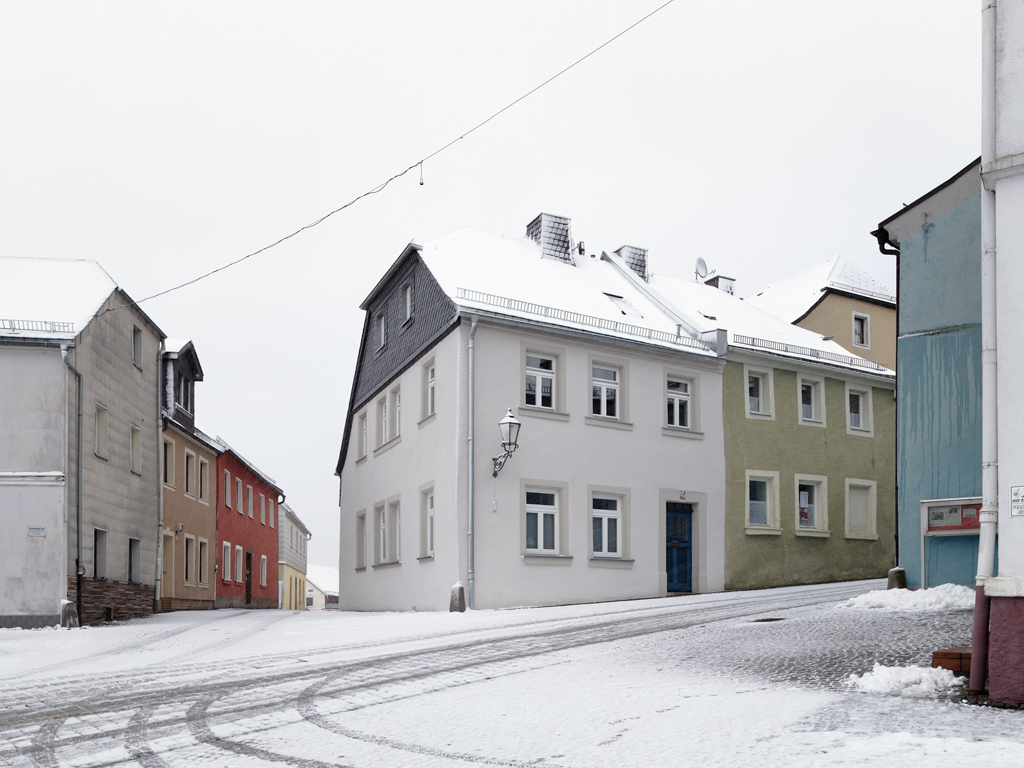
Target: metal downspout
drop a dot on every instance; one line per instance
(989, 404)
(160, 501)
(79, 567)
(472, 504)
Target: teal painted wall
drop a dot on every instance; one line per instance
(938, 370)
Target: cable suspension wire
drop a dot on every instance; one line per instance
(418, 164)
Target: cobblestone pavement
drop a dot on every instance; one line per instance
(300, 709)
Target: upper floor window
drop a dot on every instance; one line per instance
(204, 480)
(137, 345)
(248, 499)
(135, 448)
(168, 463)
(183, 392)
(760, 395)
(190, 473)
(406, 302)
(238, 495)
(227, 488)
(380, 330)
(605, 392)
(427, 376)
(361, 434)
(812, 400)
(678, 403)
(861, 330)
(858, 410)
(540, 381)
(100, 425)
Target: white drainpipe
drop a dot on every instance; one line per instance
(472, 507)
(989, 404)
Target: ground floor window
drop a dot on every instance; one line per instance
(811, 504)
(605, 528)
(861, 509)
(542, 521)
(762, 502)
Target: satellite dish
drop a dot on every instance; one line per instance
(701, 268)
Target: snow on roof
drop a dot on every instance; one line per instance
(175, 345)
(491, 273)
(324, 577)
(750, 327)
(50, 298)
(291, 513)
(791, 297)
(263, 475)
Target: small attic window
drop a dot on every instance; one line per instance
(624, 306)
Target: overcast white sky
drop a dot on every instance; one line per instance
(164, 141)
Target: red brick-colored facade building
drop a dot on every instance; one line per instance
(247, 543)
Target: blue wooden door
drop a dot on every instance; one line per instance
(679, 547)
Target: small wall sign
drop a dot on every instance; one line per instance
(1017, 501)
(37, 530)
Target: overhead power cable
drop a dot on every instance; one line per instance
(419, 163)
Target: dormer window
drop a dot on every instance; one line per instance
(183, 392)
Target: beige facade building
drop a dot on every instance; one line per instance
(293, 536)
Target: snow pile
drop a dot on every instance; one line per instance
(945, 597)
(905, 681)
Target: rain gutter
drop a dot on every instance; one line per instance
(472, 505)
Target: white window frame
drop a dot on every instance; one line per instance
(190, 474)
(99, 553)
(395, 398)
(872, 487)
(360, 540)
(427, 530)
(249, 500)
(536, 373)
(189, 560)
(135, 448)
(238, 496)
(263, 570)
(604, 391)
(204, 480)
(101, 425)
(227, 489)
(816, 386)
(168, 468)
(270, 510)
(380, 330)
(239, 564)
(361, 434)
(137, 350)
(382, 420)
(602, 520)
(134, 560)
(866, 320)
(766, 396)
(540, 511)
(773, 524)
(263, 509)
(226, 562)
(428, 390)
(203, 562)
(867, 426)
(818, 505)
(677, 398)
(407, 302)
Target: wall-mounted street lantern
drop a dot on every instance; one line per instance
(509, 427)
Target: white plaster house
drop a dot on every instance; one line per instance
(616, 490)
(79, 445)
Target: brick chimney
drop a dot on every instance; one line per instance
(635, 258)
(552, 234)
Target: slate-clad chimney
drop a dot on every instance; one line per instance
(635, 258)
(552, 234)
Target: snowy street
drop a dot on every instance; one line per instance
(745, 678)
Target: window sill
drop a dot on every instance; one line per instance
(813, 534)
(538, 559)
(860, 432)
(811, 423)
(863, 536)
(761, 416)
(762, 531)
(543, 413)
(682, 432)
(387, 565)
(360, 570)
(604, 421)
(361, 460)
(426, 419)
(425, 557)
(387, 446)
(100, 457)
(137, 474)
(597, 561)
